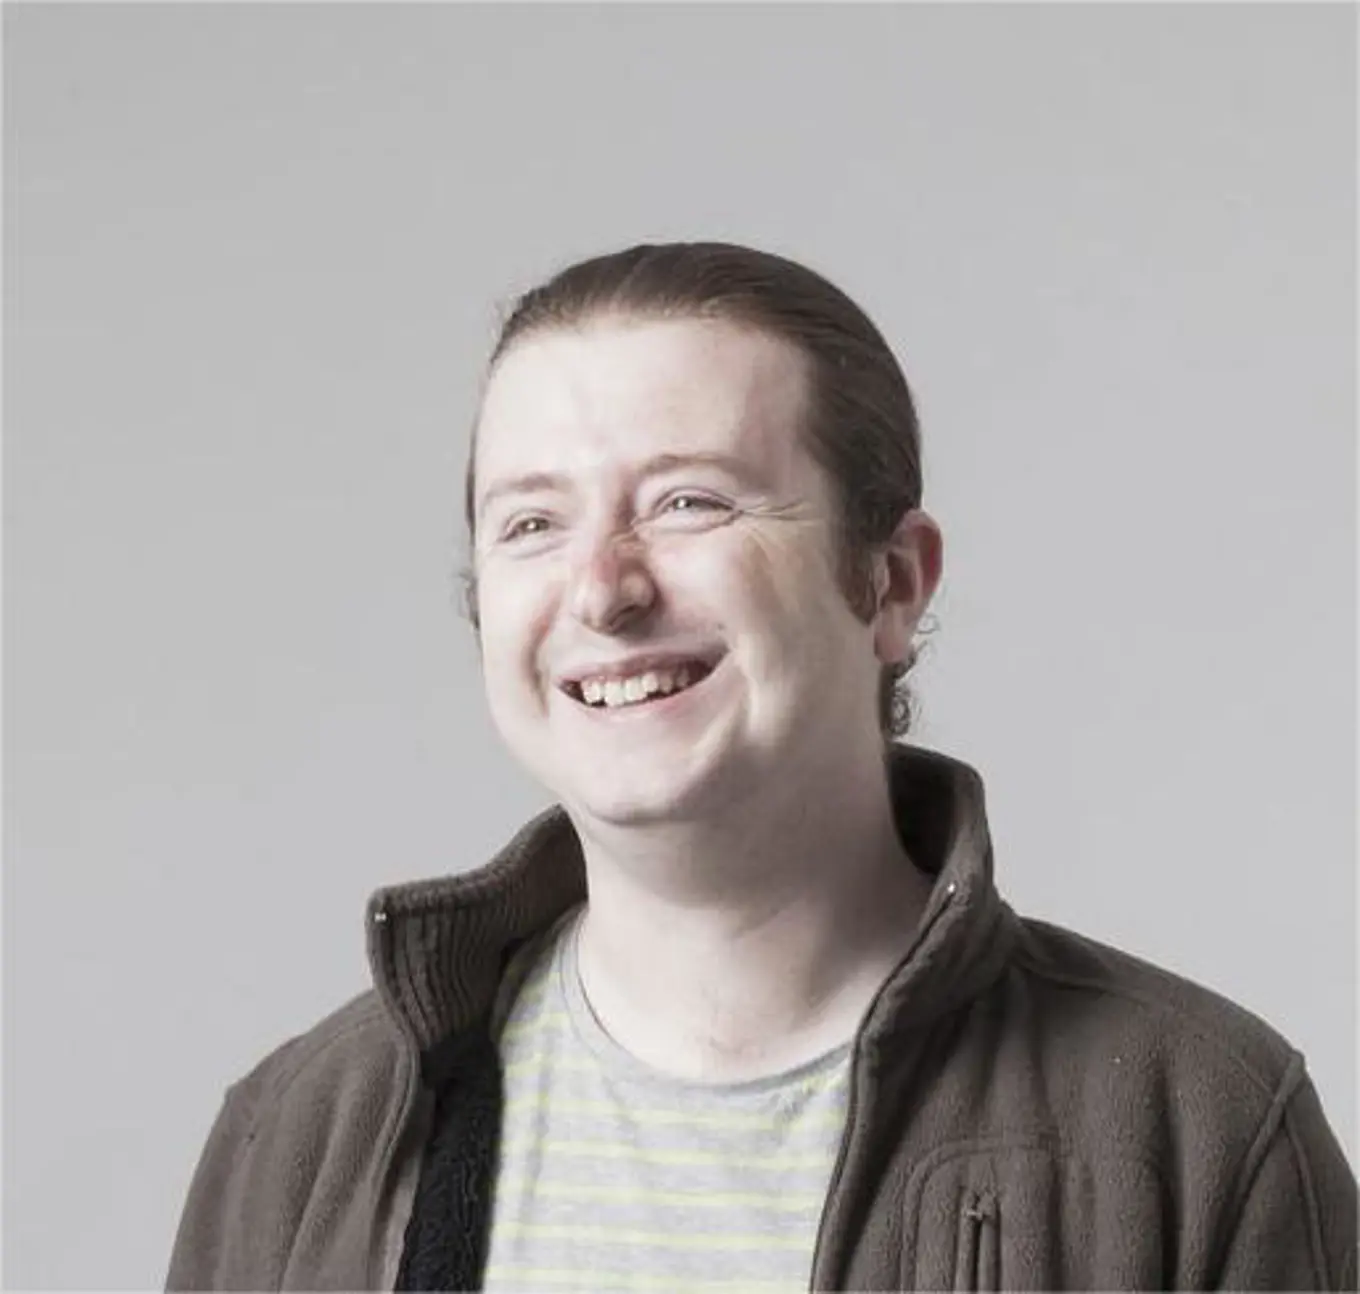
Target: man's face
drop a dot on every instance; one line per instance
(644, 507)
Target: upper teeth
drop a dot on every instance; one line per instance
(621, 691)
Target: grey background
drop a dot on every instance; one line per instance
(254, 259)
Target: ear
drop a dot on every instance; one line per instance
(906, 575)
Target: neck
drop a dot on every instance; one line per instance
(754, 941)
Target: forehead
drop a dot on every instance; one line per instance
(615, 390)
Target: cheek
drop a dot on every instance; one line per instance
(514, 614)
(795, 589)
(786, 572)
(741, 579)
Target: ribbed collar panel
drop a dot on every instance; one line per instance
(438, 947)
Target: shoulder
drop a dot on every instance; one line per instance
(1185, 1013)
(353, 1056)
(1118, 995)
(1141, 1064)
(282, 1177)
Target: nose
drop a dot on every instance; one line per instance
(611, 585)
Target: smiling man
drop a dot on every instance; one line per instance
(685, 540)
(745, 1009)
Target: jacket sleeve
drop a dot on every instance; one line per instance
(202, 1240)
(1296, 1226)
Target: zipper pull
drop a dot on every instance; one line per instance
(977, 1266)
(980, 1206)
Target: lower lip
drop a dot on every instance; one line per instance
(658, 707)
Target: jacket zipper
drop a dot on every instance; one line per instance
(977, 1267)
(394, 1239)
(838, 1169)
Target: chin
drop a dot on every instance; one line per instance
(618, 778)
(619, 813)
(637, 792)
(633, 801)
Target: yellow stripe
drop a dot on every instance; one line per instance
(587, 1064)
(703, 1200)
(537, 1063)
(662, 1239)
(611, 1150)
(536, 1103)
(532, 994)
(594, 1279)
(523, 1028)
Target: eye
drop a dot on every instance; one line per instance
(693, 503)
(519, 529)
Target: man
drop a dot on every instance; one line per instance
(745, 1010)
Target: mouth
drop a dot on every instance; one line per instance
(649, 691)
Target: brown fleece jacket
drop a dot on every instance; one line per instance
(1029, 1109)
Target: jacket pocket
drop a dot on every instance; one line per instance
(976, 1265)
(1018, 1213)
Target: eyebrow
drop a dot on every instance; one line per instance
(653, 466)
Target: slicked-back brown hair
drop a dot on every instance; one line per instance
(861, 425)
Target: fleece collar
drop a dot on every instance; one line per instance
(438, 947)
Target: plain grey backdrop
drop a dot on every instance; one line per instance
(254, 258)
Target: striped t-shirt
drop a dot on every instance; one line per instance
(614, 1176)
